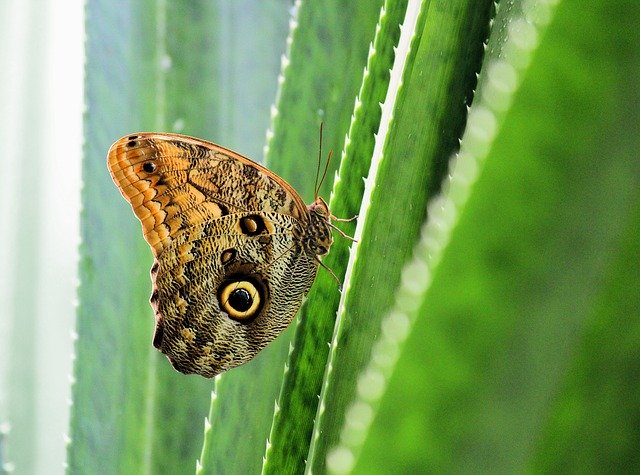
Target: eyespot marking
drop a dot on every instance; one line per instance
(252, 225)
(149, 167)
(240, 299)
(228, 255)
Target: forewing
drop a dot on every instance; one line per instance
(174, 181)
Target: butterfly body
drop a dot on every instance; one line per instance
(235, 247)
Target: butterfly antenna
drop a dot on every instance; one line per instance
(315, 186)
(326, 167)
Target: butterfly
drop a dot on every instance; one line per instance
(235, 248)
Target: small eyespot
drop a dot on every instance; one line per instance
(252, 225)
(227, 255)
(132, 141)
(149, 167)
(241, 300)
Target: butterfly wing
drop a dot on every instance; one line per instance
(230, 268)
(173, 181)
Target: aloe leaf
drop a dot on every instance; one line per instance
(321, 75)
(520, 326)
(113, 321)
(423, 117)
(132, 412)
(127, 401)
(297, 404)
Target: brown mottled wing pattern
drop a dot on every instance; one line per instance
(224, 232)
(173, 180)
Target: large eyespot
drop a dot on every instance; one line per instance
(241, 299)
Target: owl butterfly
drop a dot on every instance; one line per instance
(235, 248)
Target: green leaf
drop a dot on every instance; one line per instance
(113, 320)
(423, 118)
(500, 370)
(150, 66)
(297, 405)
(321, 76)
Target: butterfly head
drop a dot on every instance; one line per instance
(319, 238)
